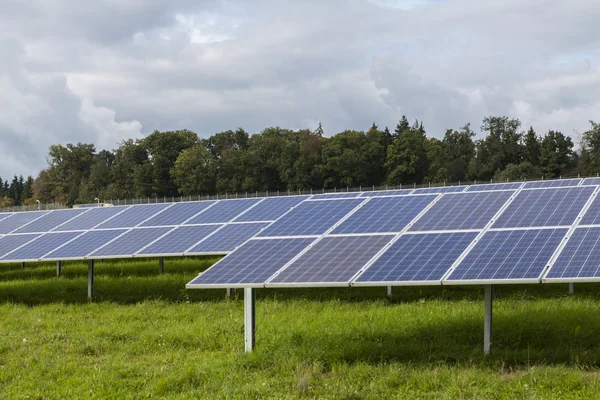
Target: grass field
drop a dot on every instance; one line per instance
(145, 336)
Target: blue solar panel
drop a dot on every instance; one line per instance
(494, 186)
(592, 214)
(180, 240)
(178, 213)
(131, 242)
(11, 242)
(591, 181)
(50, 221)
(17, 220)
(544, 207)
(311, 218)
(332, 260)
(224, 211)
(270, 209)
(37, 248)
(385, 193)
(5, 215)
(83, 245)
(91, 218)
(552, 183)
(133, 216)
(340, 195)
(253, 263)
(385, 214)
(522, 254)
(423, 257)
(581, 256)
(462, 211)
(228, 238)
(441, 189)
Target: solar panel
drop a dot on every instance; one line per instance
(271, 208)
(417, 258)
(91, 218)
(544, 207)
(83, 245)
(509, 255)
(180, 239)
(552, 183)
(37, 248)
(5, 215)
(494, 186)
(441, 189)
(251, 264)
(340, 195)
(311, 218)
(17, 220)
(178, 213)
(227, 238)
(133, 216)
(591, 181)
(592, 214)
(224, 211)
(50, 221)
(384, 193)
(462, 211)
(333, 260)
(580, 258)
(130, 242)
(385, 214)
(11, 242)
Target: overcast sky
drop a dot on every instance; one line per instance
(106, 70)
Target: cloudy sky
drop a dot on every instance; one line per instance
(103, 71)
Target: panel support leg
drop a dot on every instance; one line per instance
(58, 268)
(487, 320)
(571, 287)
(161, 265)
(249, 318)
(390, 291)
(22, 265)
(90, 279)
(228, 293)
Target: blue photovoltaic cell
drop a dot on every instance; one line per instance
(425, 257)
(544, 207)
(494, 186)
(592, 214)
(131, 242)
(462, 211)
(5, 215)
(311, 218)
(253, 263)
(386, 214)
(91, 218)
(340, 195)
(591, 181)
(519, 254)
(333, 260)
(133, 216)
(552, 183)
(9, 243)
(228, 238)
(178, 213)
(19, 219)
(40, 246)
(50, 221)
(179, 240)
(84, 244)
(384, 193)
(441, 189)
(271, 208)
(224, 211)
(581, 256)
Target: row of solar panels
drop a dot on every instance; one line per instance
(510, 236)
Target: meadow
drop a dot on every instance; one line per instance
(145, 336)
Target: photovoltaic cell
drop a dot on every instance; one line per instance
(385, 193)
(224, 211)
(332, 260)
(494, 186)
(178, 213)
(37, 248)
(544, 207)
(386, 214)
(130, 242)
(592, 214)
(311, 218)
(84, 244)
(521, 254)
(591, 181)
(19, 219)
(91, 218)
(5, 215)
(441, 189)
(50, 221)
(133, 216)
(462, 211)
(270, 209)
(228, 238)
(552, 183)
(11, 242)
(423, 257)
(179, 240)
(253, 263)
(581, 256)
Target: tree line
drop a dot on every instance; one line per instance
(175, 163)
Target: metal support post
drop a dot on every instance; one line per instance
(228, 293)
(90, 279)
(161, 265)
(249, 318)
(58, 268)
(487, 320)
(571, 287)
(390, 291)
(22, 265)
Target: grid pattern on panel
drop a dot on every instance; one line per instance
(441, 189)
(179, 240)
(343, 195)
(5, 215)
(17, 220)
(494, 186)
(333, 259)
(254, 262)
(424, 257)
(544, 207)
(591, 181)
(84, 244)
(91, 218)
(386, 214)
(592, 214)
(384, 193)
(41, 246)
(50, 221)
(271, 208)
(311, 218)
(224, 211)
(228, 238)
(11, 242)
(552, 183)
(133, 216)
(519, 254)
(131, 242)
(581, 256)
(178, 213)
(462, 211)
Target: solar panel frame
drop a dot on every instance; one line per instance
(387, 193)
(205, 248)
(226, 215)
(23, 254)
(552, 183)
(22, 240)
(8, 224)
(175, 231)
(440, 190)
(591, 181)
(130, 221)
(52, 255)
(51, 221)
(180, 221)
(339, 195)
(75, 223)
(160, 232)
(294, 200)
(578, 241)
(485, 187)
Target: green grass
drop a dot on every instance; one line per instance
(145, 336)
